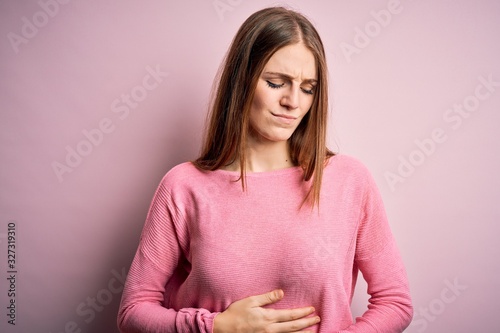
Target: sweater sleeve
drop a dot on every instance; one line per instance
(378, 259)
(157, 257)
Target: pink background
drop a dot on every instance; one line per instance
(397, 71)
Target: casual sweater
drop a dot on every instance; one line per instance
(207, 243)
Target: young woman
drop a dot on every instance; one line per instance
(266, 231)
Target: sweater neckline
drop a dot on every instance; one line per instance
(271, 173)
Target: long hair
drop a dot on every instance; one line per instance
(260, 36)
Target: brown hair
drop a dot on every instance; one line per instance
(260, 36)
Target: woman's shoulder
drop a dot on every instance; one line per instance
(182, 173)
(181, 182)
(347, 170)
(346, 164)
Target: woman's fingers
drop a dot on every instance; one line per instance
(267, 298)
(295, 325)
(289, 314)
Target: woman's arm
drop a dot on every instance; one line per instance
(390, 309)
(156, 259)
(378, 258)
(141, 308)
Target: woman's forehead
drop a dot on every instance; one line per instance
(295, 61)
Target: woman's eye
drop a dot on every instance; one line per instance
(274, 85)
(308, 91)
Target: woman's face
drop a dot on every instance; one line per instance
(284, 94)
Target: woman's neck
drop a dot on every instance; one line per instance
(262, 156)
(268, 156)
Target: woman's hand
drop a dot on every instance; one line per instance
(248, 316)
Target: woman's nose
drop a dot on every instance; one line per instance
(290, 98)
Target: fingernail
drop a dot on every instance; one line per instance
(318, 319)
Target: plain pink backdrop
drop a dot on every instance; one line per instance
(399, 71)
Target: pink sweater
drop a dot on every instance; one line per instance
(207, 243)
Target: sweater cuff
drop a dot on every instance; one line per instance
(195, 320)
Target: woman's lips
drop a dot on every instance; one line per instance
(284, 118)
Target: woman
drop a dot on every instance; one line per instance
(267, 229)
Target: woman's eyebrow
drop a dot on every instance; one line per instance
(288, 77)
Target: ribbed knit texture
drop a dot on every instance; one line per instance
(207, 243)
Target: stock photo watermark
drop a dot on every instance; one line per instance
(324, 251)
(89, 308)
(454, 118)
(425, 315)
(30, 26)
(94, 137)
(223, 6)
(11, 271)
(371, 30)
